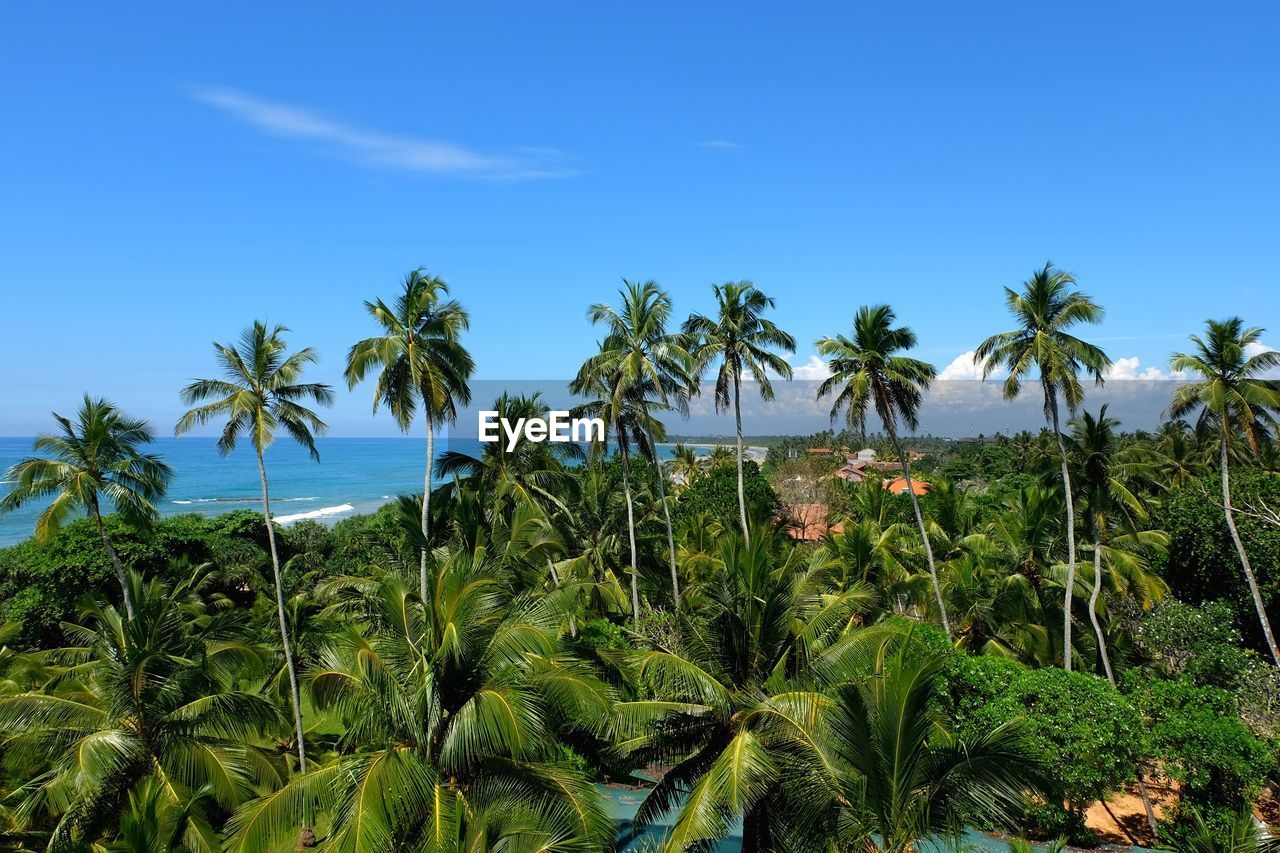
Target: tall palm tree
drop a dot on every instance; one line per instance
(1048, 306)
(451, 709)
(420, 360)
(631, 424)
(1107, 498)
(261, 392)
(868, 372)
(639, 359)
(97, 457)
(1233, 400)
(143, 698)
(741, 338)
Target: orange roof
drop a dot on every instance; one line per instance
(899, 486)
(820, 451)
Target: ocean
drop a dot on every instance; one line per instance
(354, 475)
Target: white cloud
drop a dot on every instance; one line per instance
(961, 367)
(814, 368)
(407, 153)
(1257, 348)
(1131, 368)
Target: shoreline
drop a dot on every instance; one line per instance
(753, 452)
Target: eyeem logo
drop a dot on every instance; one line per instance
(559, 427)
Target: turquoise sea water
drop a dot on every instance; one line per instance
(354, 475)
(622, 804)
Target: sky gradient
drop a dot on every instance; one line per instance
(174, 172)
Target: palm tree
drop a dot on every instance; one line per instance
(1107, 499)
(420, 359)
(639, 359)
(631, 424)
(737, 692)
(1177, 457)
(685, 466)
(867, 372)
(1233, 399)
(1048, 306)
(451, 710)
(740, 337)
(534, 471)
(95, 458)
(903, 777)
(141, 698)
(261, 393)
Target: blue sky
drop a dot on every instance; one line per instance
(172, 172)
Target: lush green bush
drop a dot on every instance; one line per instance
(1197, 734)
(1197, 642)
(1084, 731)
(42, 582)
(1202, 564)
(717, 493)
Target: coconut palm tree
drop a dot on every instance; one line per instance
(1177, 457)
(533, 471)
(451, 710)
(902, 777)
(639, 360)
(261, 392)
(867, 371)
(95, 458)
(420, 360)
(741, 338)
(1233, 400)
(685, 466)
(629, 421)
(1046, 309)
(737, 694)
(141, 698)
(1106, 496)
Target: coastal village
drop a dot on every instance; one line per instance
(810, 520)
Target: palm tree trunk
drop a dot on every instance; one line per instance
(924, 534)
(426, 509)
(666, 515)
(1106, 665)
(1071, 534)
(1244, 558)
(1146, 806)
(742, 498)
(292, 667)
(631, 533)
(130, 607)
(1093, 605)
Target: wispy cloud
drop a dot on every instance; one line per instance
(383, 150)
(719, 145)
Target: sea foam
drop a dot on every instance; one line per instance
(315, 513)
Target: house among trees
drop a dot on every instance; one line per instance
(898, 486)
